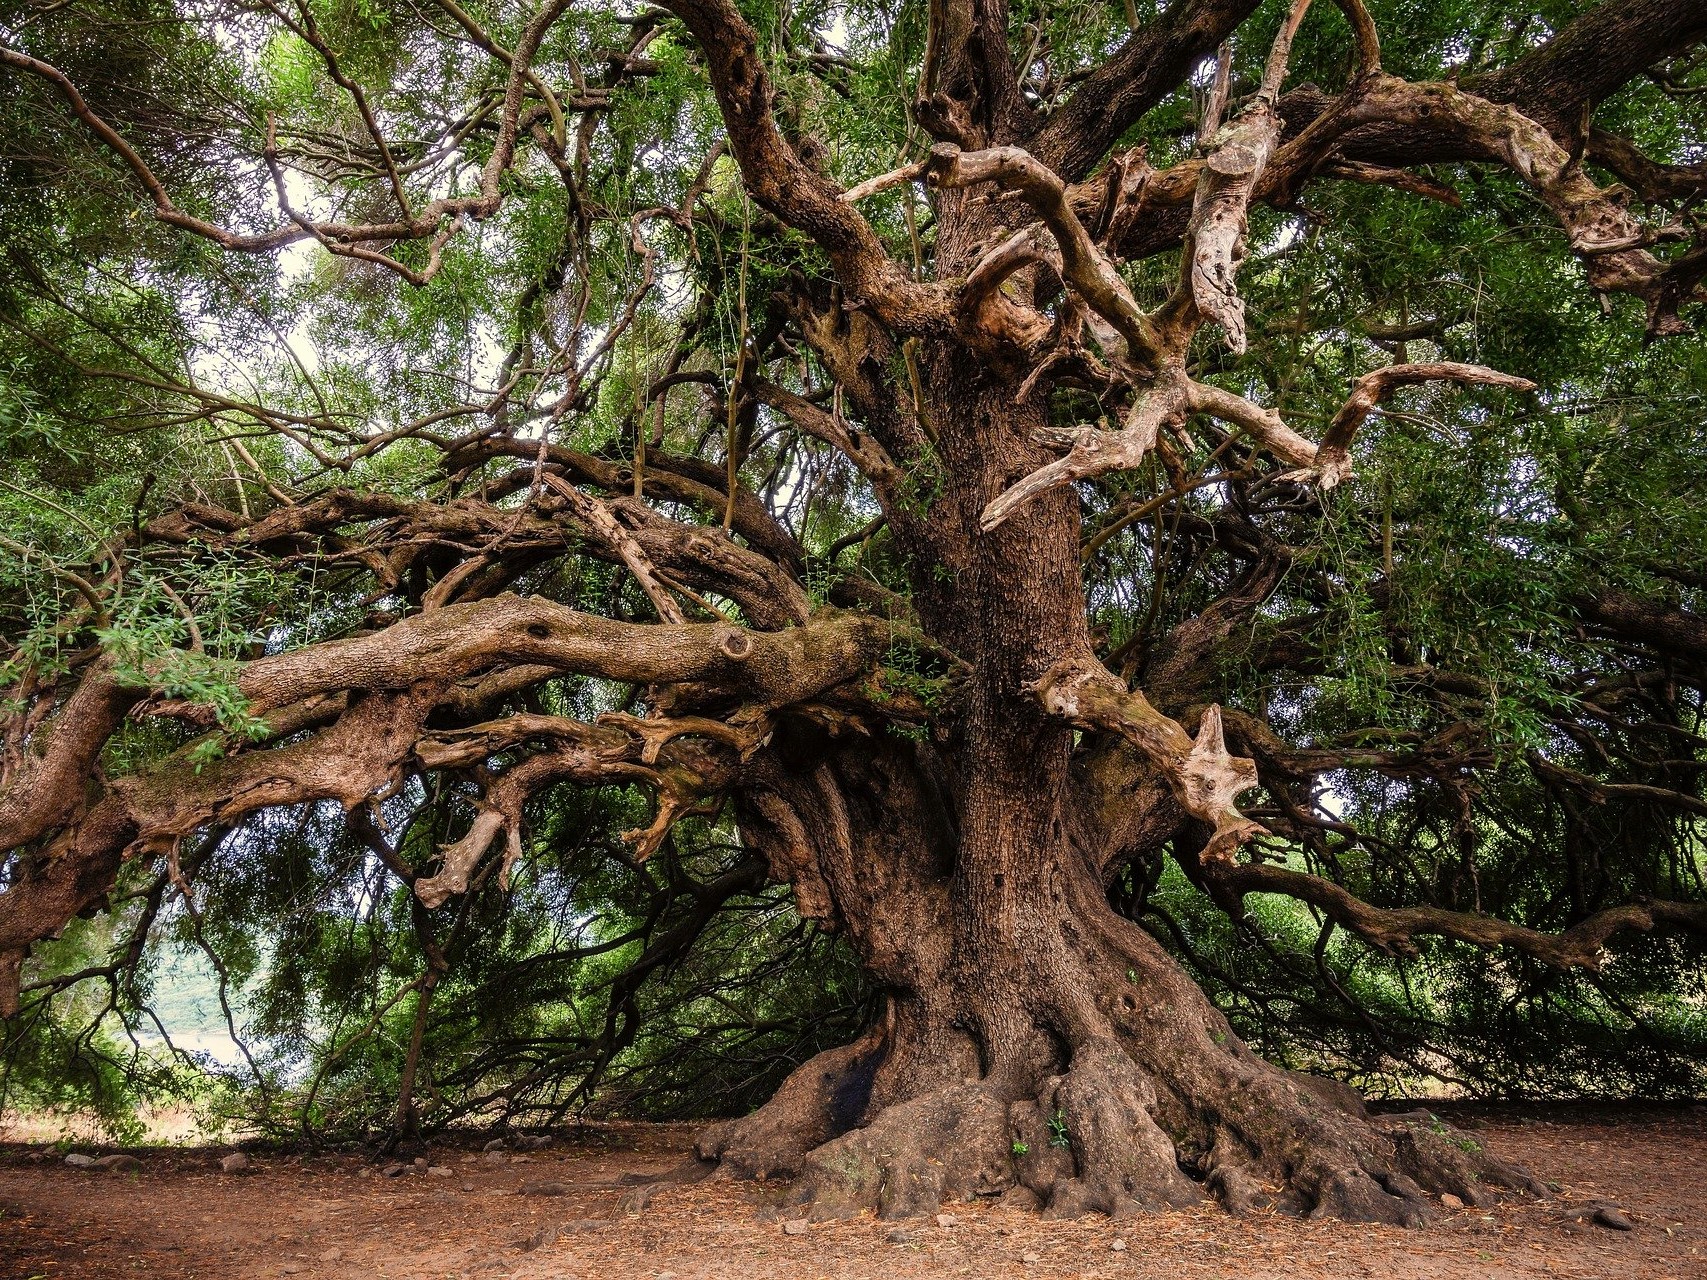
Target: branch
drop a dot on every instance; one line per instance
(795, 193)
(1393, 929)
(1095, 452)
(1083, 265)
(597, 517)
(381, 688)
(1203, 775)
(1151, 64)
(1333, 455)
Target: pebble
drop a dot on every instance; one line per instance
(1119, 1245)
(900, 1235)
(545, 1189)
(1451, 1201)
(1031, 1257)
(468, 1186)
(77, 1160)
(394, 1171)
(794, 1227)
(366, 1171)
(441, 1170)
(947, 1220)
(497, 1144)
(236, 1162)
(495, 1157)
(332, 1255)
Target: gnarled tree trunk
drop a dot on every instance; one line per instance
(1035, 1045)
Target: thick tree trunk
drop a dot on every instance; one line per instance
(1036, 1046)
(1039, 1047)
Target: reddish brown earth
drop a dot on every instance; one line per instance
(319, 1216)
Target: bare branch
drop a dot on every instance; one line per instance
(1333, 455)
(1206, 779)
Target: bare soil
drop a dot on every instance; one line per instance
(574, 1210)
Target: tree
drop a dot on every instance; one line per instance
(709, 400)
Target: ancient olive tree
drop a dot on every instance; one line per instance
(708, 399)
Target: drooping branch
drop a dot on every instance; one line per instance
(429, 222)
(1393, 929)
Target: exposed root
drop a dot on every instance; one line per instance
(821, 1099)
(1123, 1161)
(944, 1146)
(1165, 1107)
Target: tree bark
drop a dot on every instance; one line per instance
(1035, 1045)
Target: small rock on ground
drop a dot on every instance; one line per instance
(116, 1164)
(900, 1235)
(545, 1189)
(539, 1239)
(1119, 1246)
(1451, 1201)
(947, 1220)
(795, 1227)
(236, 1162)
(77, 1160)
(635, 1199)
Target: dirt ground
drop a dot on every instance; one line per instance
(575, 1210)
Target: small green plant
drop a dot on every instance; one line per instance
(1058, 1136)
(1019, 1148)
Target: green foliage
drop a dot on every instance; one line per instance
(1058, 1135)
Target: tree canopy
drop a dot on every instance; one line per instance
(577, 557)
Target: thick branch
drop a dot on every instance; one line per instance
(1205, 778)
